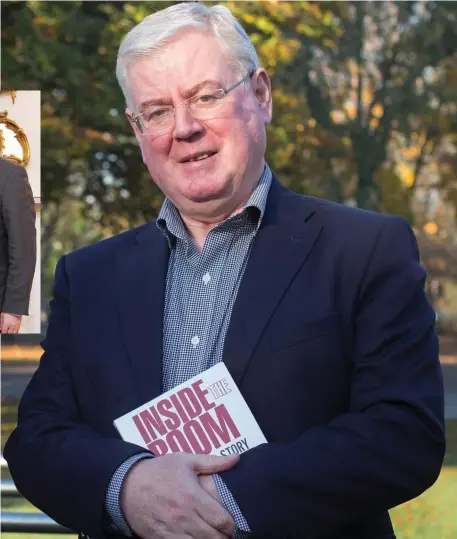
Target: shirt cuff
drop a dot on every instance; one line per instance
(113, 507)
(242, 527)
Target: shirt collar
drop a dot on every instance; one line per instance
(171, 225)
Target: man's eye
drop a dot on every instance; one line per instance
(156, 114)
(204, 99)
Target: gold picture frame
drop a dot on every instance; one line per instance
(19, 135)
(13, 94)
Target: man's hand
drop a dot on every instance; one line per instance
(162, 498)
(208, 484)
(10, 323)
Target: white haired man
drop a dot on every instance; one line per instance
(317, 310)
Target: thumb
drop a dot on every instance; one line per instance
(209, 464)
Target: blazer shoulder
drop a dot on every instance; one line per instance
(104, 250)
(352, 221)
(9, 167)
(353, 234)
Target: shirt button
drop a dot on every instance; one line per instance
(195, 340)
(206, 278)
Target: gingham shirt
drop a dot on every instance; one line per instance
(200, 292)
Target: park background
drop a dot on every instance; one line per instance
(365, 113)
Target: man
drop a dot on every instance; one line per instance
(317, 309)
(17, 245)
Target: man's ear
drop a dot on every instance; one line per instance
(262, 89)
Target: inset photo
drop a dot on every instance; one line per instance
(20, 201)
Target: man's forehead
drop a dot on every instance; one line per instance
(149, 83)
(185, 81)
(187, 47)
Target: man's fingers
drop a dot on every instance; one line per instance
(200, 529)
(208, 485)
(215, 515)
(162, 498)
(10, 323)
(209, 464)
(10, 330)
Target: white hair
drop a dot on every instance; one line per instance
(156, 30)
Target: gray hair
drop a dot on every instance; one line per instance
(157, 29)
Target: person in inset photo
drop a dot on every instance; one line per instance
(17, 245)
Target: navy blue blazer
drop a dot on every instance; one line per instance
(331, 342)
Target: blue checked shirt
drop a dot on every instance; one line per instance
(200, 292)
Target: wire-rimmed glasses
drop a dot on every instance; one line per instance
(159, 119)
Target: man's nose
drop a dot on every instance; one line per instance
(185, 124)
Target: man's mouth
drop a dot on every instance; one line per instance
(198, 157)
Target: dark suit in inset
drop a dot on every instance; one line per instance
(17, 239)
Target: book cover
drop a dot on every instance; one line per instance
(205, 415)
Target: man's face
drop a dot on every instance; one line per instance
(236, 136)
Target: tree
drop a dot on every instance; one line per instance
(365, 104)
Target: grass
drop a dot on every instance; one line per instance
(432, 515)
(22, 506)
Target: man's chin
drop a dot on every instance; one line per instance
(201, 198)
(206, 193)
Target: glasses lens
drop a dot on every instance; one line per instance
(157, 120)
(203, 107)
(208, 105)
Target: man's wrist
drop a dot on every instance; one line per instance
(112, 504)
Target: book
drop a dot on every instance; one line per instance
(205, 415)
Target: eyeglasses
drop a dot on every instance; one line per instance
(158, 120)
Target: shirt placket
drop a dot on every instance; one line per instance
(241, 234)
(198, 310)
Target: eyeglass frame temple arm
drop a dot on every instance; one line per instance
(246, 77)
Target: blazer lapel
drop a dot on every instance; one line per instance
(288, 232)
(142, 271)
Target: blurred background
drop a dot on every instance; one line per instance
(365, 113)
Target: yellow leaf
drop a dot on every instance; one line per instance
(406, 174)
(351, 110)
(377, 111)
(431, 228)
(374, 122)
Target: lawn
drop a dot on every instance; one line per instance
(432, 515)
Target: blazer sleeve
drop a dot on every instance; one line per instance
(18, 211)
(390, 445)
(59, 463)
